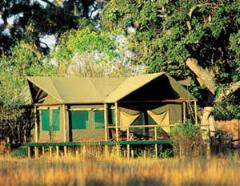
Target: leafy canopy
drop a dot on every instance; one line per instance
(84, 40)
(170, 32)
(22, 61)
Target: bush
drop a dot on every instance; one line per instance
(20, 152)
(186, 139)
(227, 109)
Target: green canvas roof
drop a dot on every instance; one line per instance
(72, 90)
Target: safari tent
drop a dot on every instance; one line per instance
(75, 109)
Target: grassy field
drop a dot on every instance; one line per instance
(98, 172)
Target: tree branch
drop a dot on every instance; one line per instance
(204, 76)
(191, 11)
(233, 88)
(49, 2)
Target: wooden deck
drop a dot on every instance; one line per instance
(38, 149)
(109, 143)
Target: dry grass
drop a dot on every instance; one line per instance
(97, 172)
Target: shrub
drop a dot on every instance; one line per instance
(227, 109)
(186, 139)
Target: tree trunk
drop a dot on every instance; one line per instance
(207, 123)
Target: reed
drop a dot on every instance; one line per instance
(93, 171)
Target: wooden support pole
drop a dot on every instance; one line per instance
(184, 112)
(116, 121)
(106, 151)
(128, 151)
(65, 132)
(156, 146)
(36, 152)
(117, 128)
(36, 124)
(118, 150)
(43, 150)
(132, 153)
(65, 150)
(84, 150)
(51, 124)
(50, 151)
(77, 151)
(57, 151)
(144, 153)
(195, 112)
(29, 152)
(156, 150)
(106, 128)
(106, 121)
(128, 146)
(155, 133)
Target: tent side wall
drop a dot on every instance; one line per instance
(151, 114)
(175, 113)
(50, 122)
(86, 123)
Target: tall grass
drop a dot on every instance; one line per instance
(116, 171)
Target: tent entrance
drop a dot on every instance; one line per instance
(142, 122)
(49, 123)
(86, 125)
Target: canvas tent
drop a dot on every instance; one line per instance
(96, 109)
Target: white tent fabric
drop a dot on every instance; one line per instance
(162, 119)
(127, 119)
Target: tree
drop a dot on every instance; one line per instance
(32, 20)
(192, 38)
(93, 52)
(15, 66)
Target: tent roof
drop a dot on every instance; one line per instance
(73, 90)
(76, 89)
(133, 83)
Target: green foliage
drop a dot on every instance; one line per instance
(22, 61)
(185, 130)
(33, 19)
(227, 109)
(167, 33)
(92, 52)
(85, 40)
(20, 152)
(186, 139)
(166, 153)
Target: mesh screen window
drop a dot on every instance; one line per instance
(47, 125)
(99, 119)
(79, 119)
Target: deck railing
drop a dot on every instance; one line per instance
(156, 136)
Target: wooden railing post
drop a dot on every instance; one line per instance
(117, 127)
(36, 124)
(128, 146)
(156, 146)
(57, 151)
(106, 128)
(43, 150)
(36, 154)
(116, 121)
(65, 150)
(64, 124)
(50, 151)
(29, 152)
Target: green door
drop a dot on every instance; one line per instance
(50, 121)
